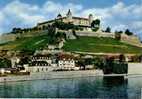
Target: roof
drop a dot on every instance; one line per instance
(39, 55)
(65, 56)
(50, 21)
(59, 15)
(39, 63)
(80, 18)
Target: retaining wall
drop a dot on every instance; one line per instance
(135, 68)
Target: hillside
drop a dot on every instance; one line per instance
(27, 43)
(98, 45)
(83, 44)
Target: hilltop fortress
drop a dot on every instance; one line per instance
(83, 23)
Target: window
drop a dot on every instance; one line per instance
(37, 69)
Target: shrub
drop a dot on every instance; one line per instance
(5, 63)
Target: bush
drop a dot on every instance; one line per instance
(5, 63)
(95, 29)
(112, 66)
(127, 32)
(95, 23)
(120, 68)
(108, 29)
(99, 62)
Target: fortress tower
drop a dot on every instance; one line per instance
(59, 16)
(69, 16)
(90, 18)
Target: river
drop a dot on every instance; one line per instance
(90, 87)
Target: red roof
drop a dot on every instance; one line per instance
(65, 56)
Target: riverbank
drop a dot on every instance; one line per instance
(63, 75)
(52, 75)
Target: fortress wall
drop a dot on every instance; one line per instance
(95, 34)
(7, 37)
(134, 40)
(11, 37)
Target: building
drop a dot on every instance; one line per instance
(40, 63)
(45, 58)
(66, 62)
(14, 61)
(85, 23)
(38, 66)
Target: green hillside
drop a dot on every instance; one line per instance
(83, 44)
(26, 43)
(95, 44)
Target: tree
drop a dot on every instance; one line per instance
(81, 63)
(63, 26)
(108, 29)
(121, 58)
(74, 33)
(16, 30)
(5, 63)
(127, 32)
(24, 60)
(51, 34)
(98, 62)
(95, 25)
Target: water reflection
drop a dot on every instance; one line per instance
(91, 87)
(116, 86)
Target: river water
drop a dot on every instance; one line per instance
(90, 87)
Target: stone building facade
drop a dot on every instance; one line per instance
(85, 23)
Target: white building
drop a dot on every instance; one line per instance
(46, 58)
(39, 66)
(66, 62)
(14, 61)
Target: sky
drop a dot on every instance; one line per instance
(117, 14)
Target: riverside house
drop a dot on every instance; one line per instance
(40, 63)
(38, 66)
(66, 62)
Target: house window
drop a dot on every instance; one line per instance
(37, 69)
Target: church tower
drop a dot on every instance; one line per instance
(90, 19)
(69, 16)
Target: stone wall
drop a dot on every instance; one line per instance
(52, 75)
(135, 68)
(133, 40)
(95, 34)
(7, 37)
(11, 37)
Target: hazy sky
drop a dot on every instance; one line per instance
(118, 14)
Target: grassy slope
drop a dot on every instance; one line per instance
(29, 43)
(83, 44)
(94, 44)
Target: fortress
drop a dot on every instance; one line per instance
(85, 23)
